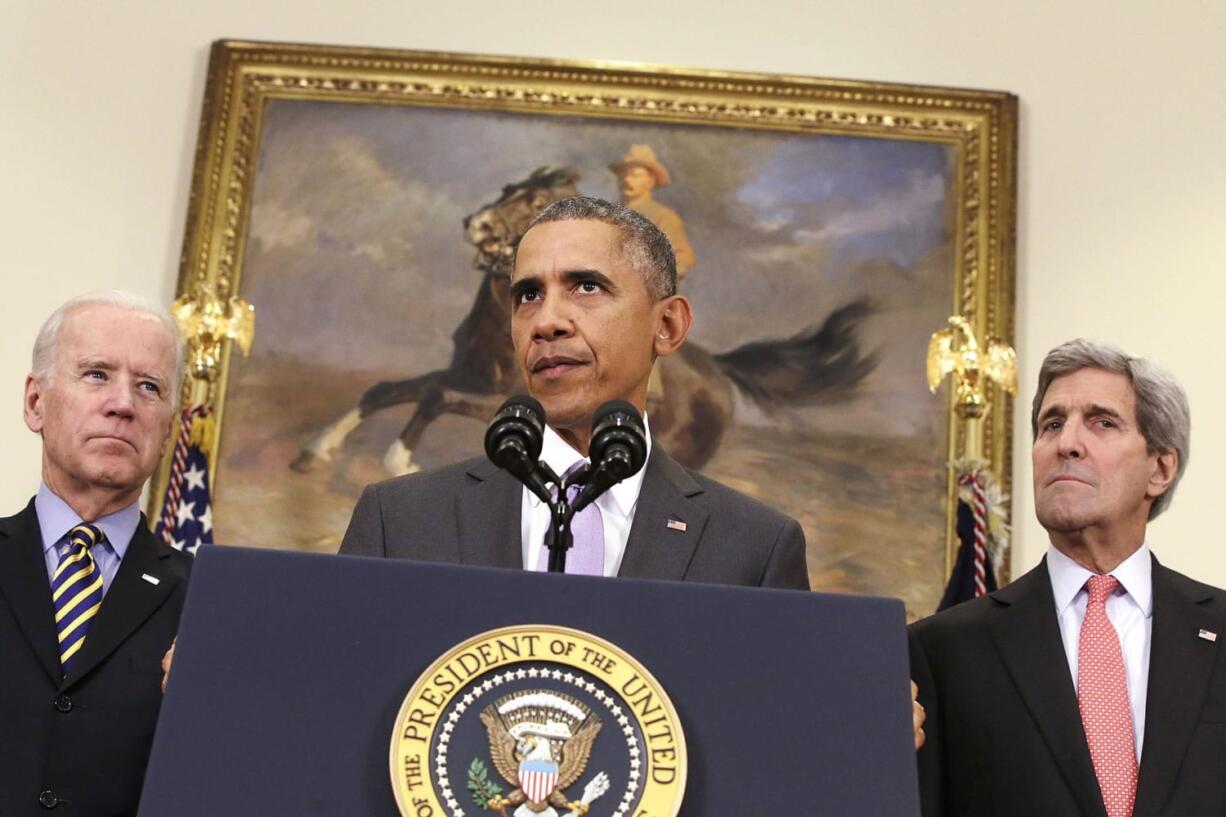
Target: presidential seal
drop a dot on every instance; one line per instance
(537, 721)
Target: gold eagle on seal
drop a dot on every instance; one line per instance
(540, 742)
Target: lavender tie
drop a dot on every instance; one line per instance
(586, 555)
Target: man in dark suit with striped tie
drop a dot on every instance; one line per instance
(89, 599)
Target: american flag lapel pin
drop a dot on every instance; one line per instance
(676, 524)
(1208, 635)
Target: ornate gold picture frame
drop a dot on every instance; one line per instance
(336, 188)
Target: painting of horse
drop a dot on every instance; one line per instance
(378, 256)
(695, 397)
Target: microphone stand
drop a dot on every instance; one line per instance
(559, 538)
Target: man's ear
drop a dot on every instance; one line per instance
(33, 403)
(672, 325)
(1165, 468)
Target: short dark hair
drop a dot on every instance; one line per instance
(1162, 407)
(643, 244)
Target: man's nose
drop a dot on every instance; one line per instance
(121, 402)
(553, 318)
(1071, 441)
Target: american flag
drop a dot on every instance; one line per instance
(186, 521)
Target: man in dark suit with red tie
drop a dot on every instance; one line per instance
(89, 599)
(1095, 684)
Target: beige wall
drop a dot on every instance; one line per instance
(1123, 164)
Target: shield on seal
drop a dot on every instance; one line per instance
(538, 778)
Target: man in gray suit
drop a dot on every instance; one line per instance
(594, 303)
(1095, 684)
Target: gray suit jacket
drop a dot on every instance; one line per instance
(1004, 731)
(469, 513)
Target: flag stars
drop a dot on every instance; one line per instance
(194, 477)
(186, 513)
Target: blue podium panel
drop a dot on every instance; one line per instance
(291, 669)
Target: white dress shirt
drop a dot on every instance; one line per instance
(1130, 609)
(616, 506)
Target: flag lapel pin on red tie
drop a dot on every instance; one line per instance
(1208, 635)
(676, 524)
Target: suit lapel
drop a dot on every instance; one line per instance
(130, 600)
(488, 518)
(1180, 665)
(654, 549)
(1027, 636)
(24, 584)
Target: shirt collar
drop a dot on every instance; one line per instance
(1134, 575)
(621, 498)
(56, 518)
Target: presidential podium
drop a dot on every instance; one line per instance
(334, 685)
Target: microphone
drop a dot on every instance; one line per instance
(513, 442)
(618, 450)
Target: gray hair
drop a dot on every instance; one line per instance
(43, 358)
(643, 244)
(1162, 407)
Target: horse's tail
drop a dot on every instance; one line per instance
(819, 364)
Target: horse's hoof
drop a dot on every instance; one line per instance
(398, 461)
(306, 462)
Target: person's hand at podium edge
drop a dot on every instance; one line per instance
(170, 656)
(917, 709)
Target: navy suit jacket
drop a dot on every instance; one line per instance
(81, 742)
(470, 514)
(1004, 731)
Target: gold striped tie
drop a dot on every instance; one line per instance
(76, 591)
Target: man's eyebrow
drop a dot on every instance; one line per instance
(581, 276)
(524, 284)
(1091, 410)
(571, 276)
(1096, 410)
(89, 364)
(1054, 410)
(154, 376)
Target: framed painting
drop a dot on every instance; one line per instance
(367, 203)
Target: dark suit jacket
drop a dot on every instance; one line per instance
(85, 739)
(470, 514)
(1004, 731)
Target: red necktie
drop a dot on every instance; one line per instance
(1102, 694)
